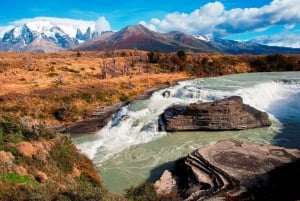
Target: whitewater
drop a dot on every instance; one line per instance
(131, 149)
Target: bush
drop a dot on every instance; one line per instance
(17, 179)
(153, 57)
(143, 192)
(181, 55)
(64, 154)
(124, 98)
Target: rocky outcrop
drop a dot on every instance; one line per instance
(226, 114)
(236, 170)
(99, 118)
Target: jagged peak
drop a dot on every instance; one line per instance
(78, 32)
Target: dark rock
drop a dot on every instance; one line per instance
(166, 94)
(226, 114)
(236, 170)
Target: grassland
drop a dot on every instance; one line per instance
(60, 88)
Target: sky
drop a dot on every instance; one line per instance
(272, 22)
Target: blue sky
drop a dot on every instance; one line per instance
(263, 20)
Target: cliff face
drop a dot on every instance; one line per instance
(226, 114)
(236, 170)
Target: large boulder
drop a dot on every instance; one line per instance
(226, 114)
(234, 170)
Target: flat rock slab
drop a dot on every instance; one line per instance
(237, 169)
(226, 114)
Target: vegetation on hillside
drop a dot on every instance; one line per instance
(39, 164)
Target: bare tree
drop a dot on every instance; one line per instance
(103, 68)
(114, 60)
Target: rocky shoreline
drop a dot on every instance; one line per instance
(234, 170)
(101, 116)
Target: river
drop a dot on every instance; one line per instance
(130, 149)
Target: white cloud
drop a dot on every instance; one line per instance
(285, 40)
(213, 18)
(290, 26)
(102, 25)
(68, 25)
(149, 26)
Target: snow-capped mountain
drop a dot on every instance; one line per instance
(41, 36)
(206, 38)
(245, 47)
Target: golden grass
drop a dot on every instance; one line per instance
(37, 85)
(34, 85)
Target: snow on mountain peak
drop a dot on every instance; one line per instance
(17, 32)
(43, 27)
(206, 38)
(39, 26)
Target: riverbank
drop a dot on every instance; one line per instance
(59, 89)
(130, 150)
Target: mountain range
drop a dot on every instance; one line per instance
(42, 36)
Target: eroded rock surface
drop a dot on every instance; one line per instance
(226, 114)
(233, 170)
(99, 118)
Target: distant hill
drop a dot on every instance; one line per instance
(236, 47)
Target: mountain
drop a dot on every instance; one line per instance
(141, 38)
(237, 47)
(41, 36)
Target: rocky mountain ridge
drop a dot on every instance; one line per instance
(142, 38)
(42, 36)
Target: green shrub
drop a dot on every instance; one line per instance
(64, 154)
(153, 57)
(10, 130)
(146, 192)
(17, 179)
(143, 192)
(124, 98)
(181, 55)
(66, 69)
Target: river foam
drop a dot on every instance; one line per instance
(138, 122)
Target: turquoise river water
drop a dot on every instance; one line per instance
(130, 149)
